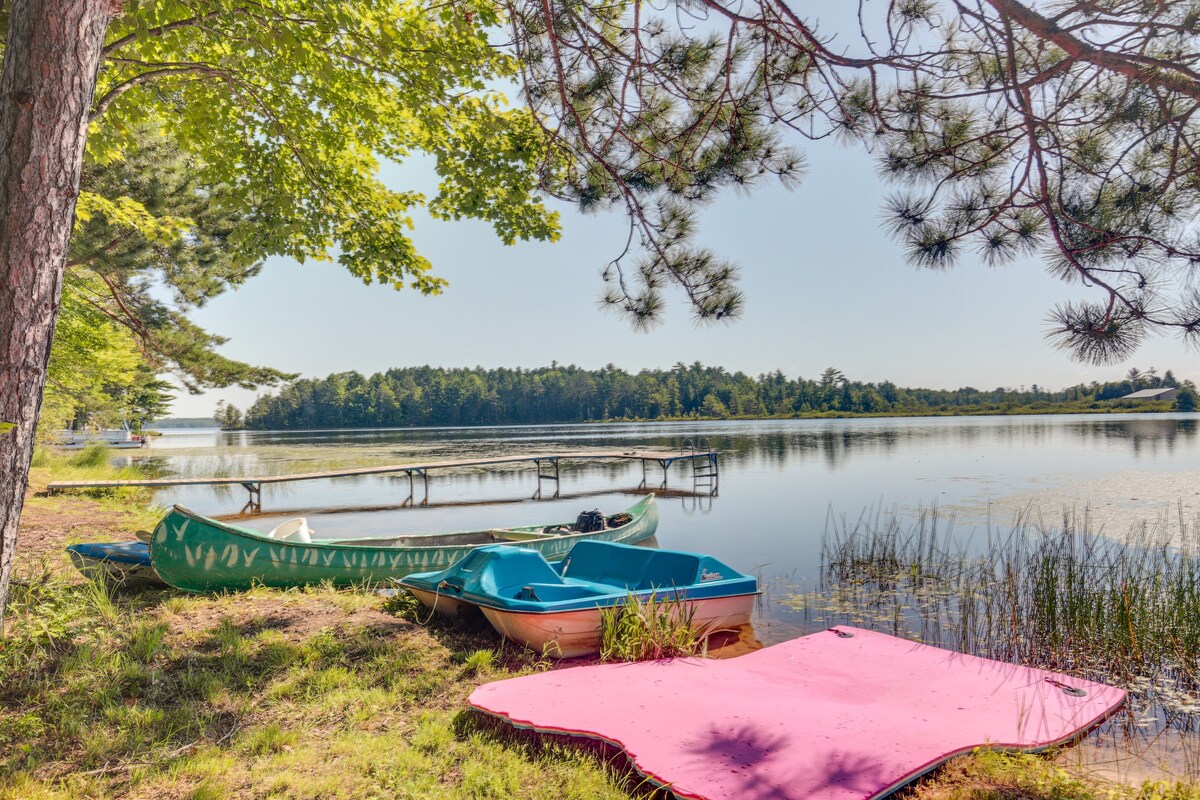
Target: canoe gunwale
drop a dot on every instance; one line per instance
(637, 510)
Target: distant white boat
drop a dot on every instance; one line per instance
(120, 438)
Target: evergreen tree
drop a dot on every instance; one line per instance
(1187, 397)
(228, 416)
(1008, 127)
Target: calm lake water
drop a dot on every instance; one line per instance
(783, 484)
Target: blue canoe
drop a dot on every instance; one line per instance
(123, 563)
(555, 609)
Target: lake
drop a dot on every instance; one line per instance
(783, 483)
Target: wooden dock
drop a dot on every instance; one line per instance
(703, 462)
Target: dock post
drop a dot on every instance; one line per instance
(411, 499)
(540, 476)
(254, 504)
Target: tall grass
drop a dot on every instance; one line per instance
(95, 462)
(650, 628)
(94, 455)
(1123, 611)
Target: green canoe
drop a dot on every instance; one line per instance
(198, 554)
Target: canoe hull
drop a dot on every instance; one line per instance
(571, 634)
(197, 554)
(109, 564)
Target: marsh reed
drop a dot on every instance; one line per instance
(1054, 595)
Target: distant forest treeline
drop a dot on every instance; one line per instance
(418, 396)
(183, 422)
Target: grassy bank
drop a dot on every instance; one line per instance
(300, 694)
(312, 694)
(291, 694)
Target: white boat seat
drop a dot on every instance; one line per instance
(294, 530)
(522, 536)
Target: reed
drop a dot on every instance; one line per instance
(646, 629)
(1048, 595)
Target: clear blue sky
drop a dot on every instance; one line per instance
(824, 284)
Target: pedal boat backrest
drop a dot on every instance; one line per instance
(634, 568)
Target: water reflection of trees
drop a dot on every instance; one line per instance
(837, 443)
(1142, 435)
(751, 444)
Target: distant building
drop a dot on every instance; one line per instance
(1165, 393)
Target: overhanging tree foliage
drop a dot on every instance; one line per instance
(1010, 128)
(166, 235)
(181, 197)
(94, 365)
(284, 112)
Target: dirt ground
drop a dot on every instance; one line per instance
(48, 524)
(296, 616)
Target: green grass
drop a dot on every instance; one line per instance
(93, 463)
(155, 693)
(1009, 776)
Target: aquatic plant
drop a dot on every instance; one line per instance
(658, 626)
(1055, 595)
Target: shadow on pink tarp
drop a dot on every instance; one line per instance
(842, 714)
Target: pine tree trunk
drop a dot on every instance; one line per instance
(51, 58)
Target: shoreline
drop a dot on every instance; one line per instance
(1162, 407)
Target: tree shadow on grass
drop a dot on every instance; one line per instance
(108, 686)
(466, 633)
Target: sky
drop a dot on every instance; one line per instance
(825, 286)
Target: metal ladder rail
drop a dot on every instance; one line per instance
(704, 466)
(556, 477)
(705, 471)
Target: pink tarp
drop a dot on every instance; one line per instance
(824, 716)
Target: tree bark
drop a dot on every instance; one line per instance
(51, 58)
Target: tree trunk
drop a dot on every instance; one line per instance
(51, 58)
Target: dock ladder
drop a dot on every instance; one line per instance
(705, 471)
(541, 476)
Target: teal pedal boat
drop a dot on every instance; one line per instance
(556, 608)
